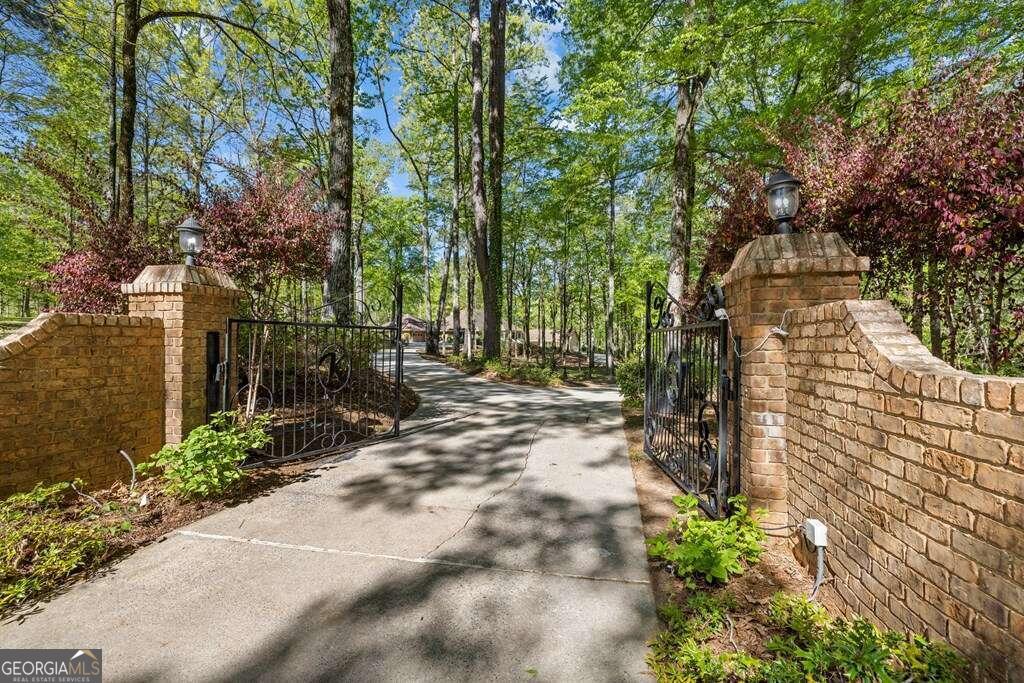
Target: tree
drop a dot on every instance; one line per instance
(496, 140)
(341, 96)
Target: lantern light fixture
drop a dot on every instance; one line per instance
(190, 239)
(783, 194)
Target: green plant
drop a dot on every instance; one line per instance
(854, 649)
(42, 543)
(208, 462)
(809, 646)
(794, 612)
(521, 372)
(712, 549)
(629, 373)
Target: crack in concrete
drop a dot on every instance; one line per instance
(519, 476)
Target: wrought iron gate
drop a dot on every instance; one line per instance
(324, 385)
(691, 420)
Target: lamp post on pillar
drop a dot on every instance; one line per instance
(190, 239)
(783, 192)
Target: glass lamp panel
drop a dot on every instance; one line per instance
(783, 202)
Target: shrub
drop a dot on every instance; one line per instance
(527, 372)
(630, 375)
(810, 647)
(208, 462)
(823, 649)
(41, 543)
(711, 549)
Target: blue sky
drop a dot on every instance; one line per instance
(399, 181)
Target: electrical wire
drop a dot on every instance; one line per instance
(779, 330)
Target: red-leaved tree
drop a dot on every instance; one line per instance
(933, 191)
(266, 234)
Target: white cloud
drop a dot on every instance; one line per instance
(547, 69)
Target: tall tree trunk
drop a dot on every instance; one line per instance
(358, 286)
(496, 139)
(481, 250)
(508, 301)
(470, 302)
(425, 244)
(609, 304)
(689, 94)
(129, 89)
(527, 292)
(112, 123)
(590, 324)
(540, 314)
(434, 332)
(456, 197)
(341, 94)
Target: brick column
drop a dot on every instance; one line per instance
(191, 301)
(770, 275)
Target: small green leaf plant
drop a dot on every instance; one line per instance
(808, 646)
(208, 462)
(43, 541)
(694, 547)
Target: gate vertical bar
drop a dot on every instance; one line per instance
(724, 393)
(649, 289)
(225, 376)
(398, 357)
(734, 469)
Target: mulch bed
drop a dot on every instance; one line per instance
(778, 569)
(151, 522)
(163, 513)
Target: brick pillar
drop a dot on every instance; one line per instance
(770, 275)
(191, 301)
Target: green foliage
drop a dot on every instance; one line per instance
(630, 375)
(710, 549)
(528, 373)
(208, 462)
(824, 649)
(810, 647)
(679, 653)
(41, 544)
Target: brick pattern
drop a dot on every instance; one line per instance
(73, 390)
(918, 469)
(190, 301)
(769, 276)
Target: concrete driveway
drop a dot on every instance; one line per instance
(501, 544)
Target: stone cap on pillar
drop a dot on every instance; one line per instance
(174, 278)
(821, 253)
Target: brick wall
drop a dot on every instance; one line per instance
(73, 390)
(918, 469)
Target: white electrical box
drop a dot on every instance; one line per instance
(816, 532)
